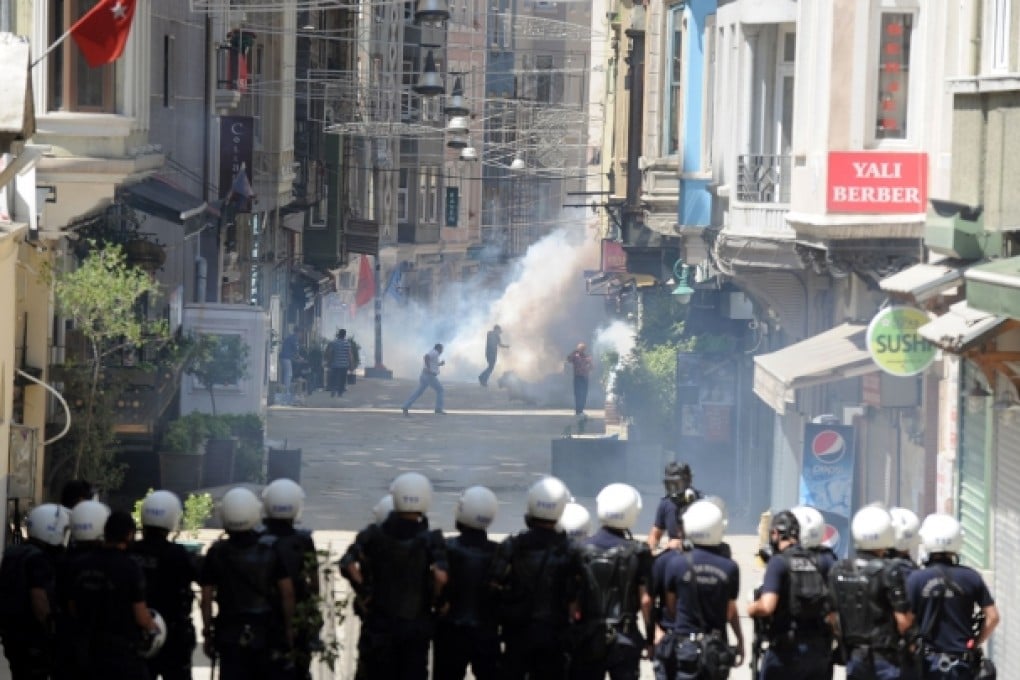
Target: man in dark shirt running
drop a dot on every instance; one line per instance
(492, 345)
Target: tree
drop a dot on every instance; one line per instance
(100, 296)
(218, 360)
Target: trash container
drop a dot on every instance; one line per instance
(284, 464)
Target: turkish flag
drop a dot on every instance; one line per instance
(102, 33)
(366, 284)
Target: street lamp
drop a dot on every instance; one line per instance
(683, 291)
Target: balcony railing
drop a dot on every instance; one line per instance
(763, 178)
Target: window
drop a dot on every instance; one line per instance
(543, 78)
(708, 100)
(408, 101)
(255, 80)
(433, 200)
(73, 85)
(674, 85)
(895, 32)
(168, 71)
(402, 197)
(423, 191)
(1000, 31)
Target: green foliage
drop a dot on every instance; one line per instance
(185, 435)
(218, 360)
(198, 508)
(249, 459)
(136, 510)
(662, 319)
(645, 390)
(311, 614)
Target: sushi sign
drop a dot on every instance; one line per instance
(894, 343)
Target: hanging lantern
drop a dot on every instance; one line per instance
(455, 104)
(430, 83)
(432, 10)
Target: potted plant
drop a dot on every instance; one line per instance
(220, 448)
(181, 453)
(250, 459)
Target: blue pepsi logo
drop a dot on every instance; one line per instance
(828, 447)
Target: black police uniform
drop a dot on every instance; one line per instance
(105, 586)
(866, 593)
(169, 572)
(297, 552)
(467, 632)
(29, 644)
(671, 508)
(704, 581)
(249, 634)
(664, 655)
(798, 650)
(617, 568)
(397, 596)
(943, 597)
(535, 574)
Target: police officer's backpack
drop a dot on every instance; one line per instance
(15, 611)
(807, 592)
(863, 620)
(610, 601)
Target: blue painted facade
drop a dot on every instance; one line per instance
(695, 204)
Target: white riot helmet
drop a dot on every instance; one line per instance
(812, 525)
(872, 529)
(283, 499)
(704, 523)
(240, 510)
(476, 507)
(412, 492)
(618, 506)
(161, 509)
(157, 641)
(905, 526)
(87, 521)
(941, 534)
(48, 523)
(546, 499)
(383, 508)
(575, 521)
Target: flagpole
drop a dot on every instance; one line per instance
(55, 45)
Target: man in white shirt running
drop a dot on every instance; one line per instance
(429, 378)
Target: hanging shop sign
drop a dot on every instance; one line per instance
(894, 343)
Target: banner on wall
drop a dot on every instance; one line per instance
(827, 479)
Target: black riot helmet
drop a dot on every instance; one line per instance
(678, 478)
(786, 526)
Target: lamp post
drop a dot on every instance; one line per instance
(379, 370)
(683, 291)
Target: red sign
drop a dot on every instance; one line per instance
(614, 257)
(873, 182)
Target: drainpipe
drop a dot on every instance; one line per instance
(976, 36)
(635, 112)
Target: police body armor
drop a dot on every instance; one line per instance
(294, 550)
(399, 574)
(610, 593)
(864, 619)
(533, 589)
(16, 619)
(246, 595)
(467, 591)
(173, 603)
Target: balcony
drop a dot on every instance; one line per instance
(763, 179)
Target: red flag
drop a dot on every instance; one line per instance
(103, 31)
(366, 284)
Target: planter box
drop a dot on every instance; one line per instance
(218, 464)
(284, 463)
(180, 472)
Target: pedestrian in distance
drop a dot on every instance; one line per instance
(680, 493)
(794, 596)
(699, 591)
(398, 570)
(581, 363)
(535, 579)
(339, 357)
(28, 594)
(252, 632)
(954, 610)
(283, 501)
(112, 620)
(431, 363)
(870, 612)
(466, 631)
(169, 572)
(615, 593)
(290, 352)
(492, 344)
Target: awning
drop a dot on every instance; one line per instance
(925, 281)
(160, 199)
(994, 287)
(294, 221)
(961, 327)
(310, 273)
(836, 354)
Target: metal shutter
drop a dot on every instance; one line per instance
(1007, 544)
(974, 474)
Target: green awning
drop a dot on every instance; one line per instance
(994, 287)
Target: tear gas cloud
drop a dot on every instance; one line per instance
(540, 303)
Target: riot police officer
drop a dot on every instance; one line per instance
(812, 531)
(794, 595)
(945, 596)
(28, 593)
(869, 601)
(679, 495)
(398, 570)
(169, 572)
(107, 604)
(382, 509)
(466, 632)
(905, 538)
(283, 501)
(575, 522)
(252, 633)
(535, 580)
(87, 520)
(615, 592)
(701, 587)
